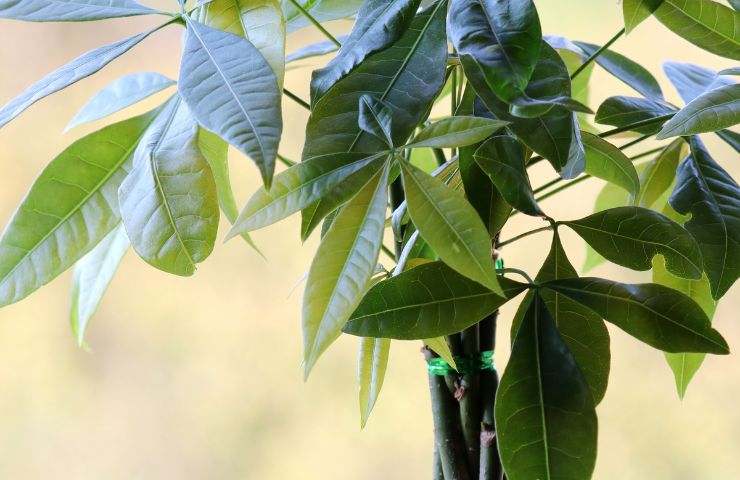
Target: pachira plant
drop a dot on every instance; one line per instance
(423, 127)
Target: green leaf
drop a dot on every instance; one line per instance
(502, 159)
(605, 161)
(730, 71)
(408, 75)
(342, 267)
(659, 174)
(439, 346)
(709, 112)
(632, 236)
(168, 201)
(712, 197)
(376, 118)
(731, 138)
(379, 24)
(450, 225)
(260, 21)
(481, 193)
(427, 301)
(635, 11)
(298, 187)
(120, 94)
(455, 132)
(501, 39)
(314, 50)
(321, 10)
(705, 23)
(232, 91)
(693, 80)
(71, 207)
(610, 196)
(582, 330)
(71, 10)
(620, 111)
(546, 424)
(626, 70)
(659, 316)
(76, 70)
(92, 275)
(372, 361)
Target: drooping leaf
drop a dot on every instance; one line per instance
(427, 301)
(450, 225)
(709, 193)
(605, 161)
(372, 362)
(582, 330)
(379, 24)
(705, 23)
(92, 275)
(546, 424)
(632, 236)
(342, 267)
(71, 10)
(620, 111)
(635, 11)
(376, 118)
(168, 201)
(297, 187)
(501, 39)
(502, 159)
(71, 207)
(692, 80)
(232, 91)
(455, 132)
(659, 316)
(711, 111)
(120, 94)
(626, 70)
(659, 174)
(439, 346)
(64, 76)
(260, 21)
(321, 10)
(407, 76)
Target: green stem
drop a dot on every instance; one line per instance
(388, 252)
(315, 22)
(518, 272)
(285, 161)
(596, 54)
(297, 99)
(633, 126)
(523, 235)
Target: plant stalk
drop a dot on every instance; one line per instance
(490, 463)
(315, 22)
(596, 54)
(470, 400)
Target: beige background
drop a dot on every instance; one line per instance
(199, 378)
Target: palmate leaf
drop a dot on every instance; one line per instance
(632, 236)
(71, 10)
(260, 21)
(168, 201)
(636, 11)
(407, 76)
(342, 267)
(605, 161)
(705, 23)
(71, 207)
(711, 111)
(232, 91)
(610, 196)
(76, 70)
(582, 330)
(122, 93)
(321, 10)
(712, 197)
(372, 361)
(427, 301)
(660, 173)
(379, 24)
(501, 39)
(456, 131)
(92, 275)
(450, 225)
(620, 111)
(659, 316)
(546, 425)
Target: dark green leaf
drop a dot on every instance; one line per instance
(376, 119)
(501, 39)
(232, 91)
(711, 111)
(546, 423)
(455, 132)
(502, 159)
(635, 11)
(621, 111)
(424, 302)
(659, 174)
(732, 138)
(632, 236)
(379, 24)
(705, 23)
(481, 193)
(654, 314)
(712, 197)
(605, 161)
(70, 10)
(610, 196)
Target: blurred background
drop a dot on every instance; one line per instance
(200, 378)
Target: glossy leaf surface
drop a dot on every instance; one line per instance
(605, 161)
(376, 118)
(711, 111)
(620, 111)
(456, 131)
(660, 173)
(70, 10)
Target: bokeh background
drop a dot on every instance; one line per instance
(200, 378)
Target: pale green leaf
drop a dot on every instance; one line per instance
(605, 161)
(455, 132)
(372, 362)
(711, 111)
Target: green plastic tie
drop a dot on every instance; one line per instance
(466, 365)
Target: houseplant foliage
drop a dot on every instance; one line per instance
(158, 182)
